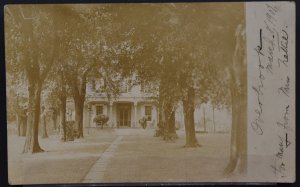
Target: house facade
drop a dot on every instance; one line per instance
(136, 102)
(124, 111)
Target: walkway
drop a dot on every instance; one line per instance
(98, 169)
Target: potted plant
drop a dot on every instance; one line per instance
(101, 119)
(143, 122)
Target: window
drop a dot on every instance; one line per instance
(125, 86)
(99, 109)
(148, 112)
(146, 88)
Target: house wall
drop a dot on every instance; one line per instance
(93, 112)
(154, 116)
(222, 118)
(88, 116)
(137, 99)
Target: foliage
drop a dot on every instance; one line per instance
(101, 119)
(183, 52)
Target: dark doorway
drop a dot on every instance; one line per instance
(124, 114)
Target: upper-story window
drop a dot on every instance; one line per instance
(102, 85)
(98, 85)
(125, 86)
(146, 88)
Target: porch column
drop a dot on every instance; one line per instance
(135, 113)
(110, 114)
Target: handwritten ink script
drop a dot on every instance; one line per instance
(272, 63)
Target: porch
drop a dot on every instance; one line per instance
(122, 114)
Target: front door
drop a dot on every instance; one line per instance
(124, 115)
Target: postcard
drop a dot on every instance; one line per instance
(150, 92)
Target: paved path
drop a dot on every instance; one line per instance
(97, 170)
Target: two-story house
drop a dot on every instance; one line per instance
(133, 103)
(137, 101)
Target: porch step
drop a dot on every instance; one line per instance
(133, 131)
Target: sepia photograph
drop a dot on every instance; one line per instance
(116, 93)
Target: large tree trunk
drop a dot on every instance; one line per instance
(79, 104)
(204, 120)
(214, 123)
(79, 90)
(166, 111)
(54, 119)
(170, 132)
(242, 133)
(234, 132)
(160, 131)
(166, 123)
(161, 113)
(162, 120)
(32, 142)
(171, 121)
(189, 122)
(63, 110)
(238, 89)
(18, 123)
(23, 125)
(238, 147)
(21, 121)
(44, 126)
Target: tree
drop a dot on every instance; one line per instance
(219, 96)
(17, 96)
(59, 91)
(190, 73)
(17, 105)
(221, 25)
(154, 63)
(57, 83)
(36, 63)
(56, 97)
(229, 58)
(104, 52)
(169, 60)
